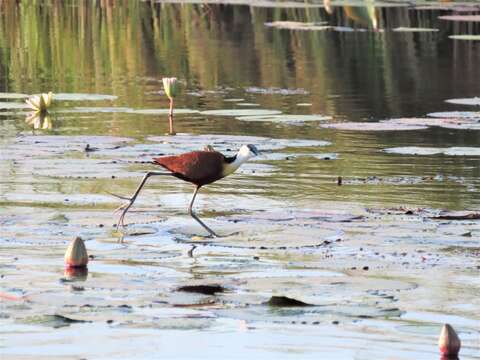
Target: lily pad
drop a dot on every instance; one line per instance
(233, 100)
(463, 151)
(452, 123)
(161, 111)
(451, 151)
(413, 29)
(13, 96)
(456, 114)
(457, 215)
(241, 112)
(84, 109)
(465, 37)
(83, 97)
(475, 101)
(283, 301)
(372, 126)
(285, 118)
(202, 289)
(414, 150)
(275, 91)
(297, 25)
(466, 18)
(55, 321)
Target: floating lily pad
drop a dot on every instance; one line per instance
(414, 150)
(283, 301)
(161, 111)
(275, 91)
(84, 109)
(475, 101)
(83, 97)
(55, 321)
(12, 105)
(233, 100)
(463, 151)
(296, 25)
(413, 29)
(451, 151)
(457, 215)
(455, 114)
(466, 18)
(373, 126)
(285, 118)
(241, 112)
(441, 122)
(13, 96)
(465, 37)
(248, 104)
(202, 289)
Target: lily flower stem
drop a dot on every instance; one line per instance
(171, 108)
(170, 117)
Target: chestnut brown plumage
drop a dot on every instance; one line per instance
(197, 167)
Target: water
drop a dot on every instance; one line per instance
(279, 208)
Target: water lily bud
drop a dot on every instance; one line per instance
(449, 342)
(171, 86)
(76, 255)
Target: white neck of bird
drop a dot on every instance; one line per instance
(240, 158)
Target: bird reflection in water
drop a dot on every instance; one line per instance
(365, 14)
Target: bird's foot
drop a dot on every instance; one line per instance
(123, 208)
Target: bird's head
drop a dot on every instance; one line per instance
(248, 151)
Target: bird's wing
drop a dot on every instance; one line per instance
(199, 167)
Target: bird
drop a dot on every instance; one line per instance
(197, 167)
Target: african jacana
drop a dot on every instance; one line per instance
(197, 167)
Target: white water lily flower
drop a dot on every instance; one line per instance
(171, 86)
(40, 102)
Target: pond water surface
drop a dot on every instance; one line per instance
(324, 90)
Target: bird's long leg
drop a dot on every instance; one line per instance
(191, 213)
(131, 200)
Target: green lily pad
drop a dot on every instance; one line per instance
(12, 105)
(467, 101)
(414, 150)
(466, 18)
(275, 91)
(284, 118)
(413, 29)
(241, 112)
(373, 126)
(85, 109)
(13, 96)
(418, 150)
(463, 151)
(248, 104)
(297, 25)
(233, 100)
(161, 111)
(83, 97)
(465, 37)
(456, 114)
(441, 122)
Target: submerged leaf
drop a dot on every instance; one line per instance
(372, 126)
